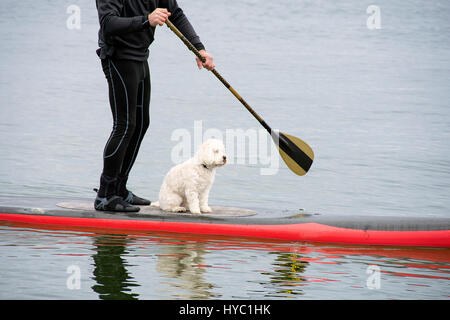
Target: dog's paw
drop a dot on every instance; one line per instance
(179, 209)
(206, 209)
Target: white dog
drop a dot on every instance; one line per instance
(187, 185)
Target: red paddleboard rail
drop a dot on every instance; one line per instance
(308, 231)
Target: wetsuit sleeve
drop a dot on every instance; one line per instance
(113, 24)
(179, 19)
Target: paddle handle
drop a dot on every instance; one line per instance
(217, 74)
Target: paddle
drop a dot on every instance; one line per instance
(297, 155)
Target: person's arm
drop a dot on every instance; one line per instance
(179, 19)
(111, 22)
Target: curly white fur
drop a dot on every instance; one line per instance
(187, 185)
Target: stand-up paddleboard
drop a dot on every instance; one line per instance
(232, 221)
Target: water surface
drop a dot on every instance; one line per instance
(169, 266)
(373, 104)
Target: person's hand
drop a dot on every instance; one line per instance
(208, 64)
(158, 17)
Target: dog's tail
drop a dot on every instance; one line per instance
(155, 204)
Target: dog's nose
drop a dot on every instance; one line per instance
(224, 158)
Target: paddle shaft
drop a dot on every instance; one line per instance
(297, 155)
(217, 74)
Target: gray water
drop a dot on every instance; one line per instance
(42, 264)
(373, 105)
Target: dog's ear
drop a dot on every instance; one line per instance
(206, 154)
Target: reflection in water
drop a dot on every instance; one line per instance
(181, 265)
(110, 273)
(182, 269)
(169, 266)
(183, 262)
(287, 273)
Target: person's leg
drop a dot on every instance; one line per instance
(142, 124)
(123, 80)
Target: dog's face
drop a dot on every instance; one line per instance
(212, 153)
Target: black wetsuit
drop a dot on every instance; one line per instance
(124, 38)
(125, 32)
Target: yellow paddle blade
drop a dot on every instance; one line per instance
(296, 153)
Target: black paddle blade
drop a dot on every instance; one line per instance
(296, 153)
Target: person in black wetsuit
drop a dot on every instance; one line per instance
(126, 32)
